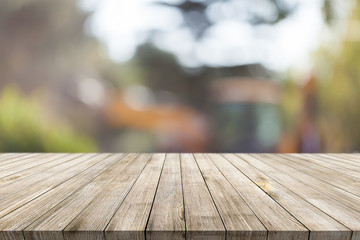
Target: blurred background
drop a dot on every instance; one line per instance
(179, 76)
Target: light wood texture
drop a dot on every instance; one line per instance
(55, 220)
(179, 196)
(167, 215)
(202, 218)
(92, 221)
(345, 160)
(238, 218)
(279, 223)
(129, 221)
(323, 173)
(326, 188)
(36, 171)
(14, 195)
(321, 225)
(26, 163)
(9, 162)
(23, 216)
(10, 157)
(345, 215)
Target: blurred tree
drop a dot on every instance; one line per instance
(200, 15)
(161, 71)
(339, 86)
(43, 45)
(195, 13)
(43, 42)
(25, 128)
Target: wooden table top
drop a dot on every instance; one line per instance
(179, 196)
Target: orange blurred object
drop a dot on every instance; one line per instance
(180, 125)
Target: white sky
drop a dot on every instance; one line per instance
(122, 25)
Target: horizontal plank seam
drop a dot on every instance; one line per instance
(50, 189)
(17, 156)
(22, 158)
(121, 157)
(19, 179)
(308, 160)
(342, 163)
(313, 187)
(14, 158)
(299, 197)
(81, 186)
(266, 192)
(342, 157)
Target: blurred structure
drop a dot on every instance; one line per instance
(214, 78)
(176, 128)
(247, 114)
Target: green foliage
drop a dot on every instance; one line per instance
(339, 93)
(24, 128)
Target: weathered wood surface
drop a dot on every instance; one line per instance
(179, 196)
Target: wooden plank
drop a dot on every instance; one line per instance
(10, 185)
(129, 221)
(329, 163)
(238, 218)
(12, 224)
(345, 182)
(279, 223)
(321, 225)
(349, 156)
(18, 166)
(52, 223)
(16, 157)
(344, 159)
(333, 192)
(201, 216)
(92, 221)
(14, 195)
(24, 159)
(4, 157)
(342, 213)
(29, 175)
(350, 184)
(179, 196)
(167, 220)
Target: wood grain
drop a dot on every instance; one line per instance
(279, 223)
(202, 218)
(342, 213)
(92, 221)
(336, 193)
(35, 172)
(179, 196)
(55, 220)
(129, 221)
(21, 216)
(342, 180)
(15, 195)
(238, 218)
(167, 220)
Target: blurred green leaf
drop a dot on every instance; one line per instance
(24, 128)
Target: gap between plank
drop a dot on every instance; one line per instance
(210, 194)
(152, 203)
